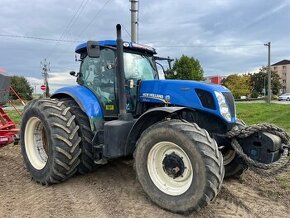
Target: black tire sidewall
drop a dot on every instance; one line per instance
(39, 175)
(235, 168)
(196, 189)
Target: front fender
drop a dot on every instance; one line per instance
(86, 99)
(147, 119)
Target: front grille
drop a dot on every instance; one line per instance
(231, 103)
(206, 99)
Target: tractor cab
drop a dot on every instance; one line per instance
(98, 73)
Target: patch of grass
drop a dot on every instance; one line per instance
(14, 116)
(278, 114)
(254, 113)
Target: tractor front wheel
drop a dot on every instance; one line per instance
(179, 166)
(49, 141)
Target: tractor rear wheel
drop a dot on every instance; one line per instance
(179, 166)
(87, 163)
(49, 141)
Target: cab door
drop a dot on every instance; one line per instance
(98, 74)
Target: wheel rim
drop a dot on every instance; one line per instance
(169, 168)
(228, 156)
(36, 144)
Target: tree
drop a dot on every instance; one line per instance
(259, 82)
(187, 68)
(240, 85)
(22, 87)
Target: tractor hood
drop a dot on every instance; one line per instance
(215, 99)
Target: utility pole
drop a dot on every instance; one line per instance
(269, 72)
(34, 84)
(134, 20)
(45, 67)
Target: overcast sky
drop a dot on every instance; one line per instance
(226, 36)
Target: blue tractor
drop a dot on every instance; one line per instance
(175, 130)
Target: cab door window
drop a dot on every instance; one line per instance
(98, 74)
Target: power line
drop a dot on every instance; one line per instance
(36, 38)
(156, 46)
(208, 46)
(126, 30)
(74, 18)
(92, 20)
(69, 25)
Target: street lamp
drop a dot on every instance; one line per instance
(269, 71)
(264, 90)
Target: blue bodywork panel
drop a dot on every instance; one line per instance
(86, 99)
(180, 93)
(130, 45)
(166, 92)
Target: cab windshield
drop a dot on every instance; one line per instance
(139, 66)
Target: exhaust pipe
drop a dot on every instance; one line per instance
(123, 115)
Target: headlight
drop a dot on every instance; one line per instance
(224, 109)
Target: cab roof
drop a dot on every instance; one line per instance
(129, 45)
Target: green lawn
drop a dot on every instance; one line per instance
(14, 116)
(253, 113)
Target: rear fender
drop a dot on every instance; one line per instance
(87, 101)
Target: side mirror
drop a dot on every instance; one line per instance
(72, 73)
(93, 49)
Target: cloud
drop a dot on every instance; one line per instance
(270, 12)
(161, 23)
(56, 80)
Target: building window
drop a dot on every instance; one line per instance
(284, 67)
(275, 68)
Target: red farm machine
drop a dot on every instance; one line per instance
(8, 129)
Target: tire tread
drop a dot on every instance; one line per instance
(208, 149)
(87, 163)
(65, 159)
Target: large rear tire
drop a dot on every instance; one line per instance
(179, 166)
(49, 141)
(87, 163)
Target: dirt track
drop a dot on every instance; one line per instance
(113, 191)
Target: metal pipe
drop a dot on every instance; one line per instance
(120, 73)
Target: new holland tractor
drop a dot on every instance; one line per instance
(184, 136)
